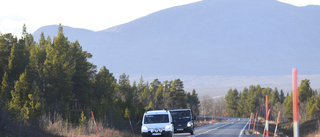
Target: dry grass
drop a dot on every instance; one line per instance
(64, 128)
(317, 132)
(307, 128)
(104, 133)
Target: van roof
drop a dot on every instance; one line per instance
(157, 112)
(180, 109)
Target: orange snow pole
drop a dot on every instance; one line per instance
(131, 126)
(258, 121)
(212, 117)
(267, 118)
(275, 130)
(95, 124)
(254, 125)
(295, 103)
(250, 122)
(265, 128)
(252, 118)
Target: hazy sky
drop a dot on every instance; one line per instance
(89, 14)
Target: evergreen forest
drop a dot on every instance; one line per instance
(253, 100)
(54, 77)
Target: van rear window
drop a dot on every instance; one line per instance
(180, 114)
(150, 119)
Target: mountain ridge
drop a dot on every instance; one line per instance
(221, 37)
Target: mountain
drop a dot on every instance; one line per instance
(210, 37)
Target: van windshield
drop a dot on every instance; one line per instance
(180, 114)
(150, 119)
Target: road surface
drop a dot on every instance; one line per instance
(233, 127)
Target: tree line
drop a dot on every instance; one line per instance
(55, 76)
(252, 99)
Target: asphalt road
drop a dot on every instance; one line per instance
(233, 127)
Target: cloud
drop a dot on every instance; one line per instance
(11, 24)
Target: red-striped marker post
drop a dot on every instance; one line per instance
(252, 119)
(212, 118)
(275, 130)
(265, 128)
(267, 117)
(254, 125)
(95, 124)
(258, 121)
(131, 126)
(295, 103)
(250, 122)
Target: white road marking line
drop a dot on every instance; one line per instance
(241, 132)
(210, 130)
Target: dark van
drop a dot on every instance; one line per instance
(183, 121)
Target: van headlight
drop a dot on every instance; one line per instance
(168, 127)
(144, 129)
(189, 124)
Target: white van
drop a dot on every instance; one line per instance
(157, 123)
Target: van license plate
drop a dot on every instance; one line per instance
(180, 129)
(156, 134)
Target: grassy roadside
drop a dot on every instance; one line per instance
(307, 128)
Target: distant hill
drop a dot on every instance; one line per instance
(210, 37)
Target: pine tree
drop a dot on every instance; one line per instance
(5, 92)
(59, 69)
(288, 105)
(136, 94)
(18, 60)
(125, 92)
(36, 103)
(253, 100)
(177, 98)
(84, 70)
(145, 95)
(232, 101)
(82, 122)
(20, 97)
(242, 103)
(195, 102)
(305, 91)
(274, 97)
(6, 42)
(282, 97)
(154, 87)
(150, 106)
(311, 106)
(102, 96)
(159, 100)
